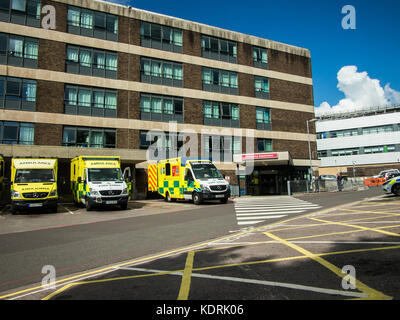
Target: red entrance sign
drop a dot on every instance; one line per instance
(259, 156)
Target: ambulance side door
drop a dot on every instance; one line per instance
(189, 180)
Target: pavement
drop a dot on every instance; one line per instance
(350, 251)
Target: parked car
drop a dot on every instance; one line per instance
(392, 186)
(327, 177)
(384, 172)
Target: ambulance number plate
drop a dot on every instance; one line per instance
(32, 205)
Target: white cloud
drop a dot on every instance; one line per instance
(360, 92)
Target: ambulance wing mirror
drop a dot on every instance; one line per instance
(188, 176)
(127, 174)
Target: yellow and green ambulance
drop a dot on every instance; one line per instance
(194, 179)
(33, 184)
(99, 181)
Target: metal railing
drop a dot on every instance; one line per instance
(306, 186)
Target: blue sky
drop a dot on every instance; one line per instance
(316, 25)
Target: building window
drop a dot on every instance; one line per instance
(264, 145)
(17, 94)
(87, 101)
(161, 108)
(161, 72)
(25, 12)
(91, 62)
(260, 58)
(219, 49)
(89, 137)
(379, 129)
(322, 154)
(92, 23)
(263, 118)
(160, 37)
(18, 51)
(220, 81)
(379, 149)
(166, 145)
(220, 148)
(261, 87)
(345, 152)
(16, 133)
(221, 114)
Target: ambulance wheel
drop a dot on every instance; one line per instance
(168, 197)
(396, 189)
(124, 205)
(197, 198)
(13, 209)
(89, 206)
(224, 200)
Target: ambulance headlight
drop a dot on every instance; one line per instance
(94, 192)
(204, 186)
(53, 193)
(125, 191)
(15, 194)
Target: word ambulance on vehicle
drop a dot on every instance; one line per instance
(33, 183)
(99, 181)
(187, 178)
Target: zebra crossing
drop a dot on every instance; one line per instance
(258, 209)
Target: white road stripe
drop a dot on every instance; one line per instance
(255, 210)
(275, 206)
(270, 210)
(263, 282)
(267, 213)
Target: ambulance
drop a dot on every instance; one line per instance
(99, 181)
(33, 184)
(194, 179)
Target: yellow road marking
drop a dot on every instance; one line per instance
(219, 266)
(359, 227)
(135, 261)
(372, 293)
(376, 212)
(186, 278)
(66, 287)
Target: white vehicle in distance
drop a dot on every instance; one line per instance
(383, 173)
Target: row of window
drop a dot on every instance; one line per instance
(102, 25)
(20, 94)
(23, 51)
(84, 137)
(25, 12)
(221, 147)
(359, 131)
(358, 151)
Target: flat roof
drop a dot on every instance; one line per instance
(140, 14)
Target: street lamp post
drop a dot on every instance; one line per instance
(309, 146)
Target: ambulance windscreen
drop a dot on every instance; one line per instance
(205, 171)
(105, 174)
(34, 175)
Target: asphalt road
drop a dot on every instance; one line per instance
(73, 248)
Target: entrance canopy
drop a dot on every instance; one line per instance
(264, 158)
